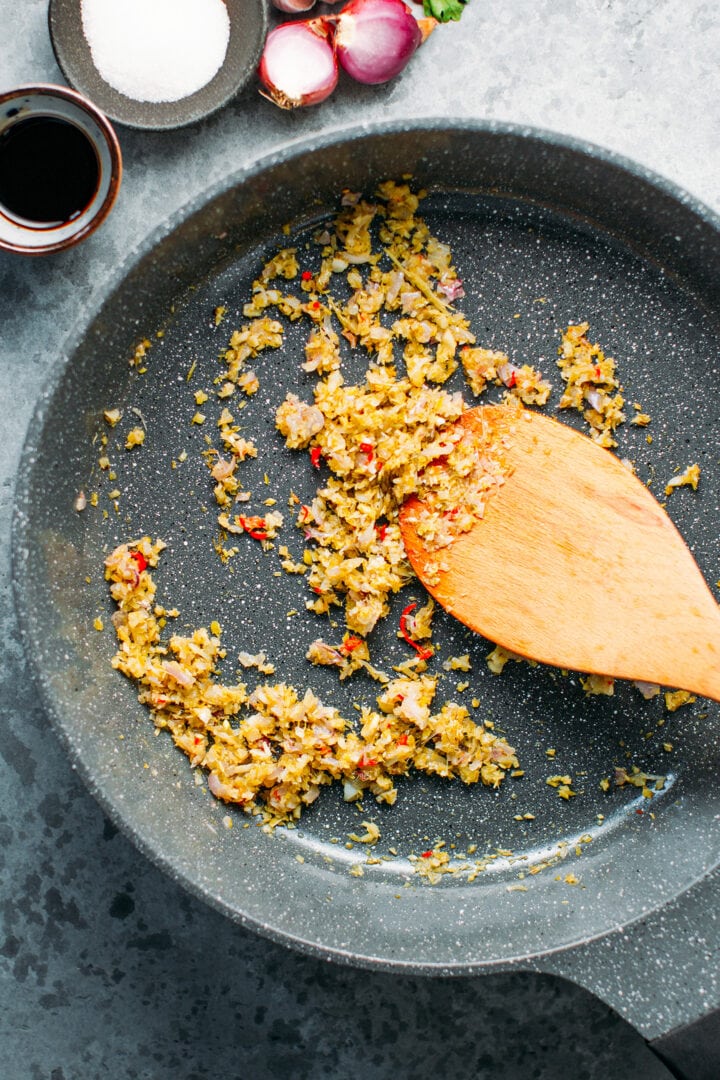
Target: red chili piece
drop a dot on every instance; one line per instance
(369, 450)
(306, 275)
(381, 532)
(315, 456)
(427, 854)
(423, 653)
(254, 526)
(140, 560)
(350, 644)
(512, 381)
(403, 740)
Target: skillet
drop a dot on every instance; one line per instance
(544, 232)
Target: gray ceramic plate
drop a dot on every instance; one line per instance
(544, 232)
(248, 27)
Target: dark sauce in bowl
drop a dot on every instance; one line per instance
(49, 171)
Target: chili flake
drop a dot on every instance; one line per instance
(422, 652)
(351, 643)
(139, 558)
(254, 526)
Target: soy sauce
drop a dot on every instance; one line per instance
(49, 171)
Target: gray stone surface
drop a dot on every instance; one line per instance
(106, 968)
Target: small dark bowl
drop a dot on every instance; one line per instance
(248, 28)
(43, 99)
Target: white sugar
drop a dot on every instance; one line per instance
(156, 50)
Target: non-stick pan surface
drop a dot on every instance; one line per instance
(544, 233)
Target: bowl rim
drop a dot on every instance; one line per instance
(157, 122)
(66, 93)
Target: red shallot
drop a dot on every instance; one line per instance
(292, 7)
(298, 65)
(374, 39)
(177, 672)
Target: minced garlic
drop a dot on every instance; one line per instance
(675, 699)
(377, 442)
(592, 386)
(135, 437)
(689, 478)
(271, 750)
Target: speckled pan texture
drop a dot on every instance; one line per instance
(544, 232)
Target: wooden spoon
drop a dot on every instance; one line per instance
(574, 563)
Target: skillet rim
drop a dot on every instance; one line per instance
(105, 289)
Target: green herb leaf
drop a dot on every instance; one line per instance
(444, 10)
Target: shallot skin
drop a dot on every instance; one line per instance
(298, 65)
(374, 39)
(292, 7)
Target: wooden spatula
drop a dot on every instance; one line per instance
(575, 564)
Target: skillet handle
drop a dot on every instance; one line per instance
(692, 1052)
(673, 1004)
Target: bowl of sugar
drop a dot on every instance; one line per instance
(158, 64)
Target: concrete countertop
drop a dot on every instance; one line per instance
(107, 969)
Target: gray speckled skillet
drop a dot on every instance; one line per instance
(544, 232)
